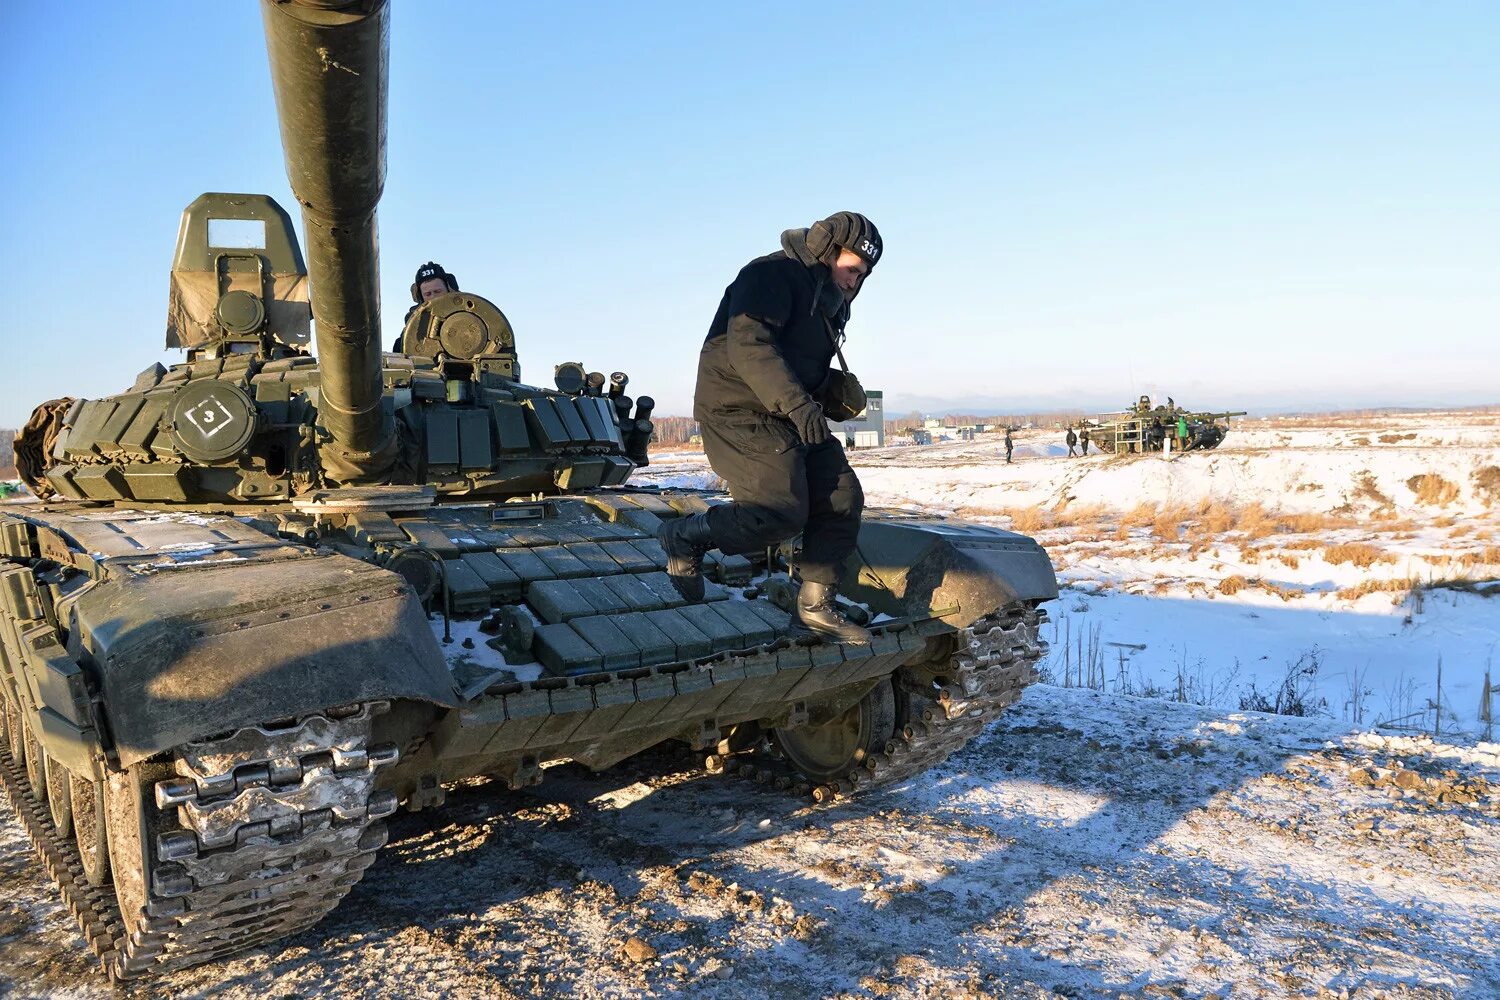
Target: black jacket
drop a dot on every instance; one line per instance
(770, 347)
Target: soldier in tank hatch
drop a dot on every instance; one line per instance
(430, 282)
(763, 370)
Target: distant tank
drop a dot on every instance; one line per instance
(1146, 427)
(266, 599)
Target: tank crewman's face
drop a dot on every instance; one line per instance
(849, 270)
(432, 288)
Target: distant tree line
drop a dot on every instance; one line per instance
(7, 453)
(673, 430)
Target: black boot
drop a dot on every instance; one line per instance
(819, 612)
(685, 540)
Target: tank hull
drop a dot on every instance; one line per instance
(149, 654)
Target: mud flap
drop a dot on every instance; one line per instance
(928, 567)
(189, 654)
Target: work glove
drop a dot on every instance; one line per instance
(811, 424)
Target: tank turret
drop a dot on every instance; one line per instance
(245, 419)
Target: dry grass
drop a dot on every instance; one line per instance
(1288, 560)
(1361, 554)
(1433, 490)
(1487, 484)
(1460, 530)
(1487, 556)
(1232, 585)
(1169, 522)
(1285, 593)
(1254, 522)
(1401, 585)
(1364, 486)
(1027, 520)
(1307, 524)
(1304, 544)
(1216, 519)
(1393, 438)
(1139, 516)
(1088, 515)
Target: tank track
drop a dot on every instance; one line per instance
(946, 706)
(259, 835)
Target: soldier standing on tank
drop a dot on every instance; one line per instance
(430, 282)
(768, 354)
(1010, 446)
(1072, 440)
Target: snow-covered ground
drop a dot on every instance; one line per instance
(1091, 844)
(1335, 561)
(1086, 846)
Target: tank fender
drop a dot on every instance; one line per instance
(47, 683)
(929, 567)
(187, 654)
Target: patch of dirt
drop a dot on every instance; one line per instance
(1365, 488)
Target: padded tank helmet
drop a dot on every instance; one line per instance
(427, 272)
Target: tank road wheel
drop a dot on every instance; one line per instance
(915, 719)
(828, 751)
(59, 795)
(15, 735)
(86, 803)
(36, 761)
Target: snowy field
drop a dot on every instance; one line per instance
(1094, 843)
(1086, 846)
(1333, 563)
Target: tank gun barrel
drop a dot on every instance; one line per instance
(328, 67)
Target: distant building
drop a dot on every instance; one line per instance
(868, 429)
(934, 423)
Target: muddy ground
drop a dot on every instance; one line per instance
(1086, 846)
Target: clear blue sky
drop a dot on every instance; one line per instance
(1272, 203)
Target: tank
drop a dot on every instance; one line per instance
(265, 600)
(1146, 426)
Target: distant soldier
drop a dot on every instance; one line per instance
(1010, 446)
(1072, 440)
(1083, 439)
